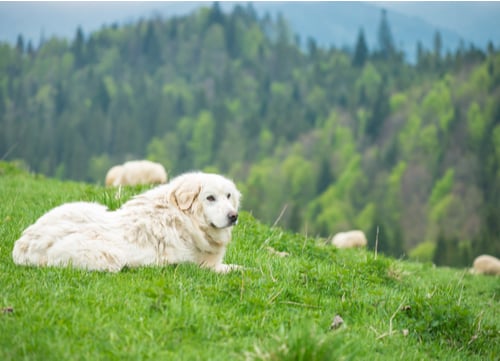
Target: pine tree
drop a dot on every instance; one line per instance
(20, 44)
(361, 50)
(29, 49)
(312, 47)
(420, 55)
(151, 47)
(216, 15)
(78, 48)
(385, 39)
(441, 251)
(438, 46)
(380, 112)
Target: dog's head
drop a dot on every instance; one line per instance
(213, 199)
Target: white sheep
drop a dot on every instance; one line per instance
(349, 239)
(136, 172)
(113, 174)
(487, 265)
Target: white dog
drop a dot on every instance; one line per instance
(189, 219)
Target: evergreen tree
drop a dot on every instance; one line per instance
(30, 50)
(312, 47)
(360, 51)
(325, 177)
(438, 46)
(380, 112)
(151, 47)
(491, 48)
(442, 251)
(420, 52)
(216, 15)
(385, 40)
(20, 44)
(78, 48)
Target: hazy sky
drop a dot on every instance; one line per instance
(473, 20)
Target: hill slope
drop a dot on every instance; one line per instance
(277, 309)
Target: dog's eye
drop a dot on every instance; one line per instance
(228, 195)
(211, 198)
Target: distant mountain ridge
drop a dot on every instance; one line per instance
(329, 23)
(475, 21)
(338, 23)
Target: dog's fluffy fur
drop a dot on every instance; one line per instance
(189, 219)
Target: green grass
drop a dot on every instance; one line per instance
(277, 309)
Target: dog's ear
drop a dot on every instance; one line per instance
(185, 194)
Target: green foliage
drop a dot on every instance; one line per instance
(442, 187)
(476, 123)
(99, 165)
(397, 101)
(365, 217)
(438, 106)
(332, 212)
(452, 251)
(429, 142)
(424, 252)
(407, 136)
(360, 50)
(368, 84)
(165, 150)
(440, 208)
(202, 138)
(496, 143)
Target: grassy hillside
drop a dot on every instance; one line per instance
(277, 309)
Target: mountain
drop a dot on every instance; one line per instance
(475, 21)
(329, 23)
(338, 23)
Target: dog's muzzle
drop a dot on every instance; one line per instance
(233, 218)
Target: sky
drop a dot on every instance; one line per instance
(474, 20)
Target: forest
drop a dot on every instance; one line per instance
(319, 140)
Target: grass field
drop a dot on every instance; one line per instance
(279, 308)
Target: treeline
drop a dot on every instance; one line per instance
(320, 139)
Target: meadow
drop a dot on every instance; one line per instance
(278, 308)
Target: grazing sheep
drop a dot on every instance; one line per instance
(349, 239)
(113, 174)
(136, 172)
(487, 265)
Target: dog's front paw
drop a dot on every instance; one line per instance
(226, 268)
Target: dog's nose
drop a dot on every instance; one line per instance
(233, 217)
